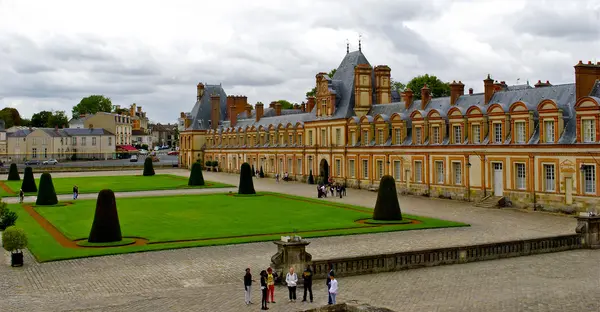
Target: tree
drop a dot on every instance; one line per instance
(40, 119)
(148, 167)
(438, 88)
(10, 116)
(46, 193)
(313, 91)
(387, 207)
(13, 173)
(92, 104)
(285, 104)
(196, 177)
(7, 217)
(246, 184)
(397, 85)
(120, 110)
(28, 185)
(25, 122)
(58, 119)
(106, 227)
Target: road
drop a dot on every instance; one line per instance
(164, 159)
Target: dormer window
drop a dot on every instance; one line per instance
(589, 130)
(520, 132)
(380, 137)
(549, 131)
(475, 134)
(497, 133)
(457, 131)
(323, 107)
(436, 135)
(398, 136)
(418, 136)
(366, 137)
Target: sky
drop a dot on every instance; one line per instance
(154, 53)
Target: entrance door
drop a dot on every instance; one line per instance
(324, 170)
(498, 181)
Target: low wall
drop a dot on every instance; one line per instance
(452, 255)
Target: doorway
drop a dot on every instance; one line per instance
(324, 170)
(498, 180)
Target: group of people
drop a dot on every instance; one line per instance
(267, 286)
(335, 189)
(286, 177)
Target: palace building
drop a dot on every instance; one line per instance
(536, 145)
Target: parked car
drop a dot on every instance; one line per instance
(133, 158)
(173, 153)
(143, 152)
(32, 162)
(50, 162)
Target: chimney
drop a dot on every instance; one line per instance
(132, 110)
(541, 84)
(182, 115)
(470, 91)
(488, 86)
(215, 106)
(200, 91)
(456, 90)
(233, 116)
(260, 109)
(425, 96)
(585, 78)
(277, 109)
(248, 110)
(303, 107)
(310, 103)
(407, 97)
(272, 105)
(383, 92)
(139, 109)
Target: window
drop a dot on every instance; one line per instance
(418, 171)
(520, 177)
(457, 135)
(310, 138)
(351, 168)
(549, 178)
(520, 132)
(476, 134)
(45, 152)
(109, 141)
(398, 136)
(589, 179)
(324, 107)
(457, 171)
(83, 141)
(323, 137)
(74, 141)
(338, 137)
(34, 141)
(380, 137)
(435, 135)
(353, 138)
(497, 133)
(365, 169)
(418, 136)
(34, 152)
(379, 169)
(589, 130)
(366, 137)
(549, 131)
(439, 172)
(299, 166)
(44, 141)
(289, 165)
(281, 141)
(397, 170)
(338, 168)
(310, 163)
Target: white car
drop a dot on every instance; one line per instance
(50, 162)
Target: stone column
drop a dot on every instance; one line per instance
(589, 229)
(291, 252)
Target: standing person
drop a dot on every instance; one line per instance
(328, 283)
(75, 191)
(307, 276)
(248, 286)
(263, 288)
(333, 290)
(291, 279)
(271, 285)
(21, 196)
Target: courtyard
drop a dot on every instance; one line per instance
(209, 278)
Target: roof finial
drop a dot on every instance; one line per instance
(347, 46)
(359, 43)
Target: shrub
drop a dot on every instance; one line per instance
(7, 217)
(253, 171)
(13, 173)
(106, 227)
(261, 173)
(46, 193)
(246, 185)
(28, 185)
(311, 179)
(196, 177)
(14, 239)
(387, 207)
(215, 163)
(148, 167)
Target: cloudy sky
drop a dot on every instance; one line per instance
(153, 53)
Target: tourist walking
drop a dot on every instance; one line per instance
(75, 192)
(333, 289)
(21, 196)
(248, 286)
(271, 285)
(328, 283)
(277, 177)
(307, 276)
(263, 288)
(291, 279)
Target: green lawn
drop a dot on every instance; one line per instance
(202, 220)
(125, 183)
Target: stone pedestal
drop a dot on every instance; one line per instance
(291, 253)
(589, 229)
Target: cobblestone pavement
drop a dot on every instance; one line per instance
(208, 279)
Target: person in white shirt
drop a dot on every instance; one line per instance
(291, 279)
(333, 288)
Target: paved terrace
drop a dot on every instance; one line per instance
(209, 278)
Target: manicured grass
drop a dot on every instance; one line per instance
(123, 242)
(125, 183)
(202, 220)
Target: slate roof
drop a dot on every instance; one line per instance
(201, 113)
(21, 133)
(84, 132)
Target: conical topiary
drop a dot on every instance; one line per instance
(148, 167)
(253, 171)
(261, 173)
(106, 227)
(387, 207)
(13, 173)
(246, 184)
(28, 185)
(46, 193)
(311, 179)
(196, 177)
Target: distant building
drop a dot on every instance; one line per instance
(163, 135)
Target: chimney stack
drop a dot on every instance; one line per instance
(260, 108)
(277, 109)
(425, 96)
(199, 91)
(303, 107)
(470, 91)
(248, 110)
(310, 103)
(233, 116)
(182, 115)
(407, 97)
(541, 84)
(456, 90)
(215, 104)
(139, 109)
(488, 86)
(272, 105)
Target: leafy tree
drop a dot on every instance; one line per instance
(40, 119)
(246, 184)
(438, 88)
(92, 104)
(10, 116)
(196, 177)
(25, 122)
(58, 119)
(397, 85)
(13, 173)
(387, 207)
(28, 185)
(106, 227)
(120, 110)
(46, 193)
(148, 167)
(285, 104)
(7, 217)
(313, 91)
